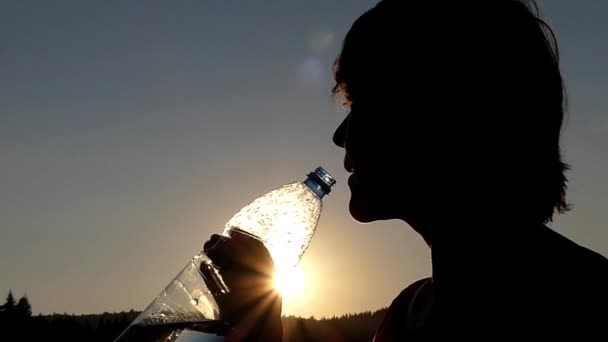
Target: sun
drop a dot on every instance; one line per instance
(290, 282)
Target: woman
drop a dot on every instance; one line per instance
(454, 127)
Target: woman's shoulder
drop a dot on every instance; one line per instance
(580, 257)
(404, 314)
(407, 296)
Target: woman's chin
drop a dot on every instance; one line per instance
(364, 211)
(367, 204)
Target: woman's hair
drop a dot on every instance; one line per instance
(486, 68)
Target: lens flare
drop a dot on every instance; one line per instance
(290, 282)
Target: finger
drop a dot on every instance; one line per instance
(250, 255)
(221, 252)
(256, 251)
(245, 239)
(208, 244)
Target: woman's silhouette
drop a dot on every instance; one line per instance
(456, 109)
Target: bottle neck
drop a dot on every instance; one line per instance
(320, 182)
(315, 186)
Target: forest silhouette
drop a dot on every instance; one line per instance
(18, 324)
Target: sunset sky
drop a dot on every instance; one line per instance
(130, 131)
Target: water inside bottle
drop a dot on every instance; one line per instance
(284, 219)
(186, 302)
(201, 331)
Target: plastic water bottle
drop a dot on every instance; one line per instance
(187, 310)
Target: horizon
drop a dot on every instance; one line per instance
(132, 133)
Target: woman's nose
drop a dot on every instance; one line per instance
(340, 134)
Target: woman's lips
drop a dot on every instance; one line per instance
(352, 180)
(348, 164)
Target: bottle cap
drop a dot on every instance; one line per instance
(323, 180)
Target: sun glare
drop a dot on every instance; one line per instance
(290, 282)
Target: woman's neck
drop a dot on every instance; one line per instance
(474, 249)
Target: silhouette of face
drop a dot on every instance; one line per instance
(425, 112)
(387, 148)
(362, 180)
(377, 154)
(399, 134)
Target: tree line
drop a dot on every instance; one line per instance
(18, 324)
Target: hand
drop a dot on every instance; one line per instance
(252, 306)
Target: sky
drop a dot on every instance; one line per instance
(130, 131)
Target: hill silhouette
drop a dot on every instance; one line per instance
(18, 324)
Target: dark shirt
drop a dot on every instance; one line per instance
(408, 316)
(560, 293)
